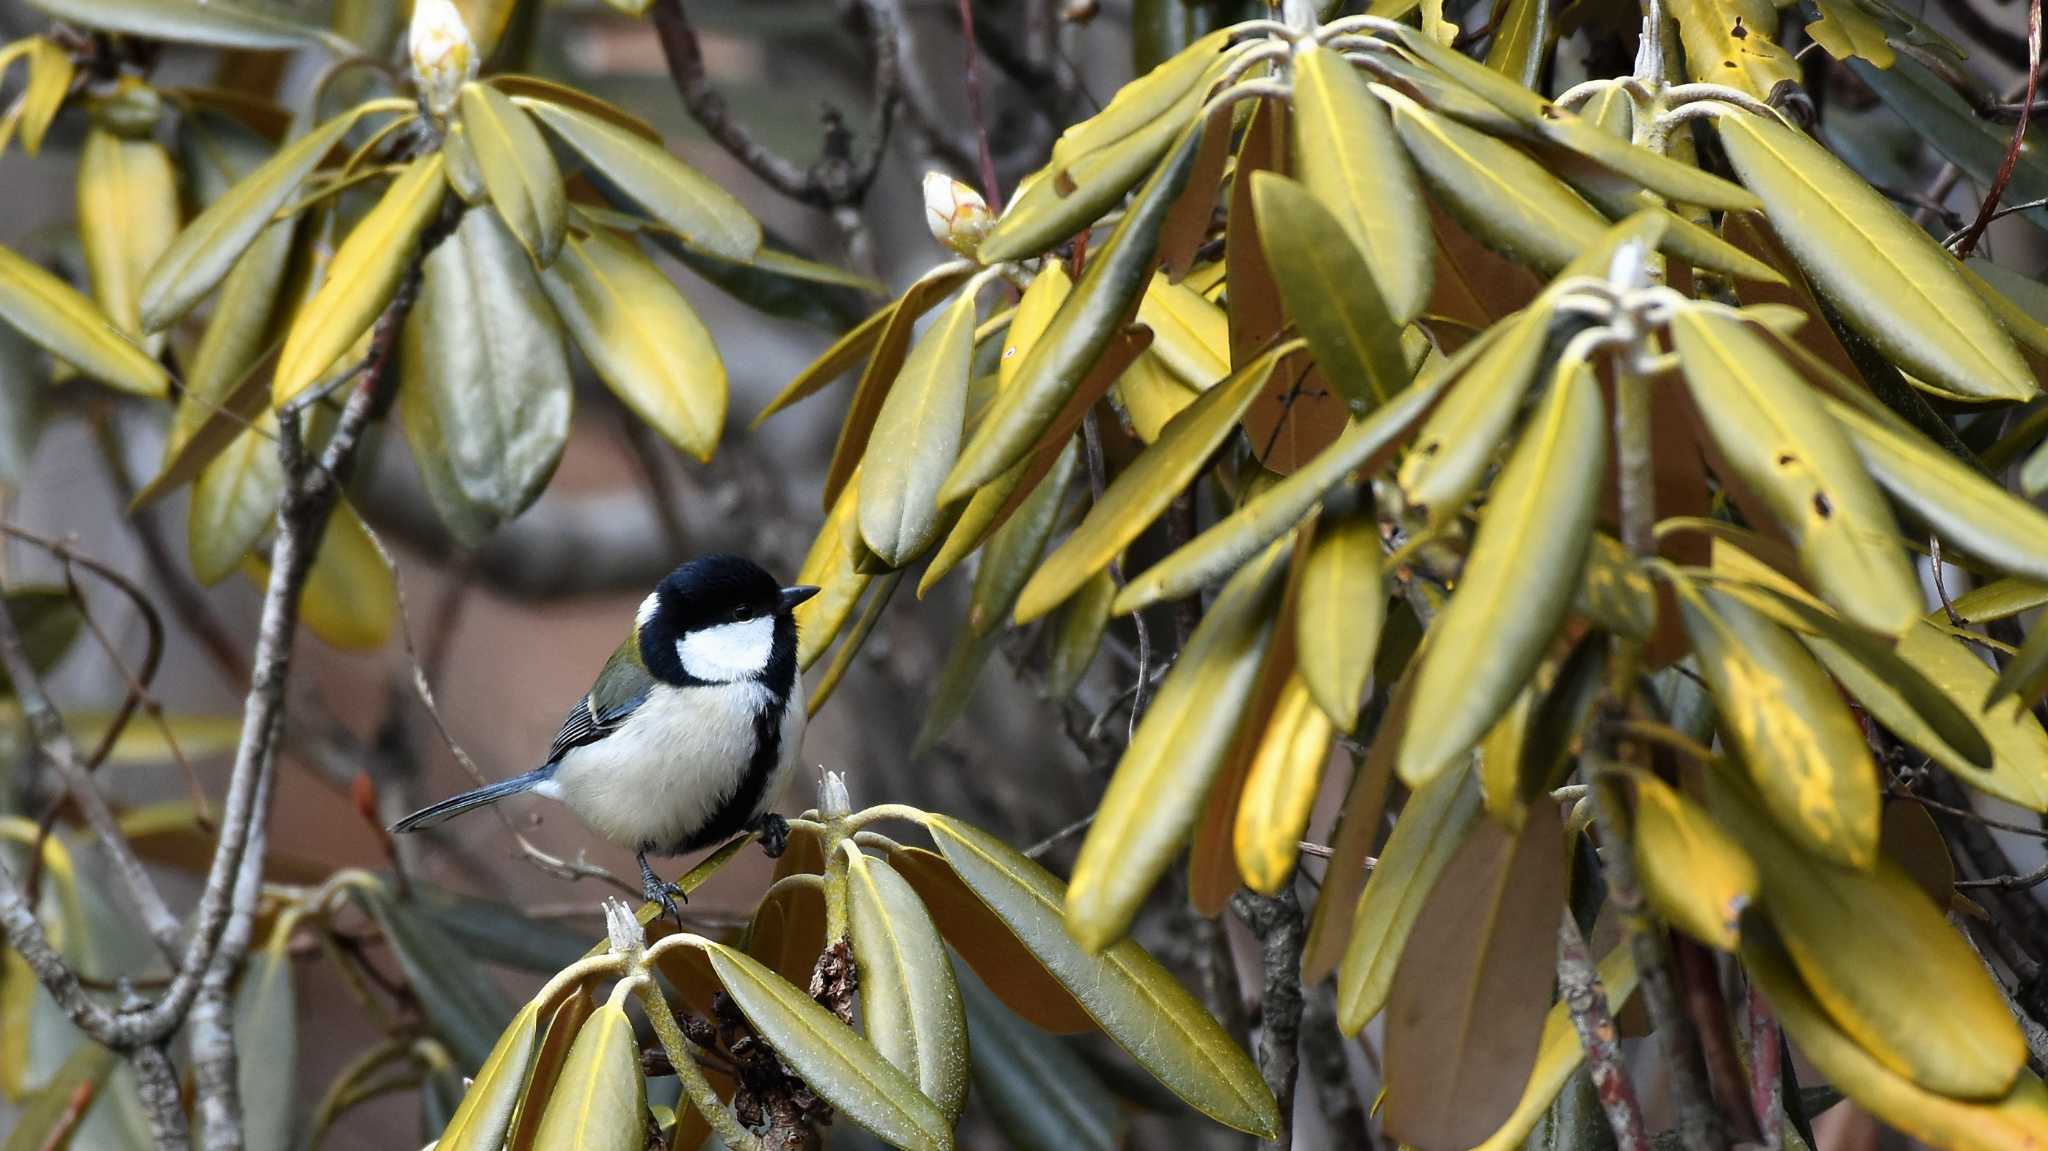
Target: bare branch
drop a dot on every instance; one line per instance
(1985, 214)
(1275, 921)
(1579, 986)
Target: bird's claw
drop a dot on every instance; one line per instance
(658, 891)
(773, 831)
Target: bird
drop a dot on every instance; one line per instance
(689, 731)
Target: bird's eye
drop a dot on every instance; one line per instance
(743, 613)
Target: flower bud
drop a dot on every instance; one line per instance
(444, 58)
(956, 213)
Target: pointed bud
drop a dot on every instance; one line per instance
(444, 58)
(956, 213)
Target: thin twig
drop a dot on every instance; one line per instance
(990, 190)
(1051, 841)
(1579, 987)
(2006, 165)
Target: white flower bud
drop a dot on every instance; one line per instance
(956, 213)
(444, 58)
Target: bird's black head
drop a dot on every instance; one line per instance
(718, 619)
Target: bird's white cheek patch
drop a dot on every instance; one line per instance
(729, 651)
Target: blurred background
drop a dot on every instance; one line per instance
(512, 633)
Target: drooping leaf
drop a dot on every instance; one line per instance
(1141, 492)
(234, 501)
(1435, 822)
(1014, 550)
(1130, 996)
(600, 1100)
(1357, 831)
(1330, 293)
(1942, 117)
(1693, 874)
(517, 168)
(1340, 607)
(484, 1117)
(1889, 280)
(1517, 583)
(209, 247)
(544, 1074)
(841, 1067)
(679, 196)
(363, 276)
(1782, 444)
(845, 351)
(1280, 788)
(916, 438)
(1465, 1017)
(1143, 101)
(641, 336)
(1346, 152)
(67, 325)
(829, 566)
(486, 410)
(1190, 335)
(216, 23)
(910, 1008)
(891, 343)
(127, 217)
(1077, 634)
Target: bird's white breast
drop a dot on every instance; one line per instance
(673, 763)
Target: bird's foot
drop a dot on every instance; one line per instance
(774, 833)
(658, 890)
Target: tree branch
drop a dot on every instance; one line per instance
(1275, 920)
(1579, 986)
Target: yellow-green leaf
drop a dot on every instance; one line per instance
(1780, 441)
(1436, 821)
(2019, 1119)
(1694, 876)
(845, 351)
(891, 343)
(234, 501)
(1077, 634)
(1517, 583)
(1141, 492)
(517, 168)
(1733, 42)
(1845, 29)
(829, 566)
(1878, 954)
(916, 438)
(50, 72)
(208, 248)
(1014, 549)
(127, 218)
(1329, 291)
(600, 1100)
(1151, 396)
(1135, 1001)
(1888, 279)
(349, 599)
(910, 1007)
(1190, 335)
(1143, 101)
(361, 279)
(1339, 609)
(1080, 332)
(55, 317)
(840, 1066)
(482, 1119)
(1348, 155)
(1280, 788)
(680, 197)
(1788, 725)
(641, 336)
(1521, 36)
(1165, 772)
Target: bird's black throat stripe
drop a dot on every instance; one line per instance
(747, 800)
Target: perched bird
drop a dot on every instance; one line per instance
(691, 728)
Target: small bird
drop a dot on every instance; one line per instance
(691, 728)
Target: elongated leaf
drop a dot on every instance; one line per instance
(1886, 277)
(679, 196)
(1692, 873)
(846, 351)
(1143, 101)
(600, 1100)
(517, 168)
(217, 23)
(1014, 549)
(487, 413)
(1080, 332)
(1339, 609)
(527, 89)
(891, 344)
(1465, 1020)
(55, 317)
(1347, 154)
(1877, 952)
(361, 279)
(1457, 442)
(481, 1121)
(1429, 831)
(1280, 789)
(127, 217)
(1042, 1095)
(1131, 997)
(840, 1066)
(210, 245)
(1166, 770)
(1330, 292)
(544, 1074)
(1967, 509)
(829, 566)
(1365, 446)
(1357, 831)
(1077, 634)
(1734, 42)
(234, 501)
(50, 73)
(1788, 726)
(1141, 493)
(1782, 444)
(1518, 582)
(916, 439)
(641, 335)
(1190, 335)
(1670, 178)
(910, 1008)
(2017, 1119)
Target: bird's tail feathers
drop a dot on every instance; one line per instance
(447, 809)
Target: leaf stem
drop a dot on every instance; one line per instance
(683, 1055)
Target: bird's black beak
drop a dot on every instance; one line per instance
(792, 596)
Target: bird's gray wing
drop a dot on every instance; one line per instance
(620, 687)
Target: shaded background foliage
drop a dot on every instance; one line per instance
(623, 505)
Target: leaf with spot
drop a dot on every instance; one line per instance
(1693, 874)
